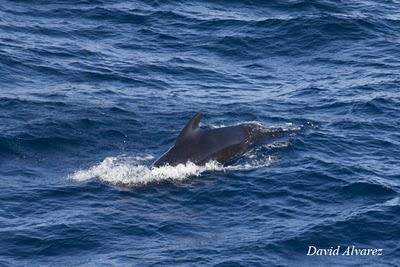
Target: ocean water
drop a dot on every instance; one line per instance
(92, 92)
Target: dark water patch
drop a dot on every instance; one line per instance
(376, 106)
(115, 15)
(28, 244)
(45, 143)
(6, 148)
(360, 189)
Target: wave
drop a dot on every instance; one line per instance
(132, 170)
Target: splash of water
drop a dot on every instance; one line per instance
(131, 171)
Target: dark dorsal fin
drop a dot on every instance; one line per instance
(192, 125)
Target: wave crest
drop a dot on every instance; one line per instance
(125, 171)
(131, 171)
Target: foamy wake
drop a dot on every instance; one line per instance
(131, 171)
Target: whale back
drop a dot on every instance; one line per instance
(222, 144)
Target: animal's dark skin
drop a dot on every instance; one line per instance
(200, 145)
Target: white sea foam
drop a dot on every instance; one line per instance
(284, 128)
(129, 171)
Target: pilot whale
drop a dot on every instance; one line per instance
(224, 144)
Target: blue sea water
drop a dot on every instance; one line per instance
(91, 92)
